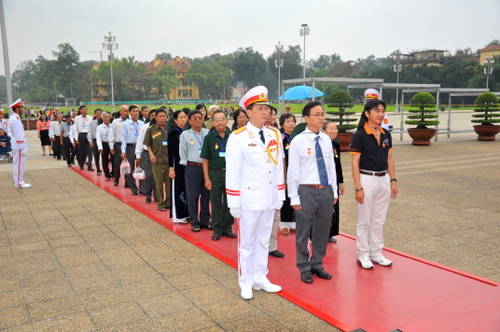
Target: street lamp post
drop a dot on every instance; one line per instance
(110, 44)
(279, 64)
(489, 69)
(397, 68)
(304, 31)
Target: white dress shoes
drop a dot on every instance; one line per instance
(23, 186)
(365, 263)
(270, 288)
(246, 294)
(381, 260)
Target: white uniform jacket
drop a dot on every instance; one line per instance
(254, 170)
(18, 140)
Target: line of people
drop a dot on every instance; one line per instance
(268, 178)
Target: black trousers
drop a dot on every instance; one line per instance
(106, 157)
(118, 159)
(197, 193)
(148, 185)
(83, 146)
(68, 151)
(130, 152)
(56, 146)
(95, 152)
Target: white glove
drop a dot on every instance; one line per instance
(279, 205)
(23, 151)
(235, 212)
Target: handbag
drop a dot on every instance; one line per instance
(125, 167)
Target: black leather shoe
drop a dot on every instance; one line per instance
(134, 193)
(230, 235)
(321, 273)
(116, 183)
(216, 237)
(306, 277)
(206, 226)
(277, 254)
(148, 199)
(91, 169)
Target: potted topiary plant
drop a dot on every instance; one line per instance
(342, 100)
(424, 107)
(486, 104)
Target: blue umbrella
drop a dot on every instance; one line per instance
(301, 92)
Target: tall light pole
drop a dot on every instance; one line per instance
(279, 64)
(489, 69)
(110, 44)
(397, 68)
(304, 31)
(6, 57)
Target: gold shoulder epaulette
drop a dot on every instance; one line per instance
(239, 130)
(273, 128)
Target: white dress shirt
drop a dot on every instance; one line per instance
(102, 134)
(302, 164)
(140, 146)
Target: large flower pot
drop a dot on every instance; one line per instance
(486, 132)
(345, 140)
(421, 136)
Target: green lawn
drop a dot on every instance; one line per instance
(295, 108)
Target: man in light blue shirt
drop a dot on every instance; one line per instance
(190, 145)
(130, 134)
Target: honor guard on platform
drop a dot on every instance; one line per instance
(375, 183)
(19, 144)
(255, 189)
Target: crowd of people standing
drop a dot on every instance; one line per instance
(268, 176)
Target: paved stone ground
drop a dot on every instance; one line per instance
(74, 258)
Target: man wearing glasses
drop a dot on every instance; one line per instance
(213, 154)
(312, 188)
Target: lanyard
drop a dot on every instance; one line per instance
(163, 131)
(106, 128)
(199, 141)
(136, 126)
(223, 143)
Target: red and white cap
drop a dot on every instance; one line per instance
(17, 103)
(372, 94)
(256, 95)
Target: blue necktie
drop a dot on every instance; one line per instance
(323, 176)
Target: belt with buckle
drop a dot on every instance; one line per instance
(315, 186)
(190, 163)
(381, 173)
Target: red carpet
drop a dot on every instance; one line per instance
(413, 295)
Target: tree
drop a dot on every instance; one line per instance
(369, 64)
(248, 66)
(165, 79)
(325, 61)
(66, 66)
(211, 79)
(342, 69)
(494, 42)
(164, 56)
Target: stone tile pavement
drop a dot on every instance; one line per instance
(74, 258)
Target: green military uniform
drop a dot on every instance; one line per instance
(214, 149)
(156, 138)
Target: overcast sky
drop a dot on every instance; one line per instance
(195, 28)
